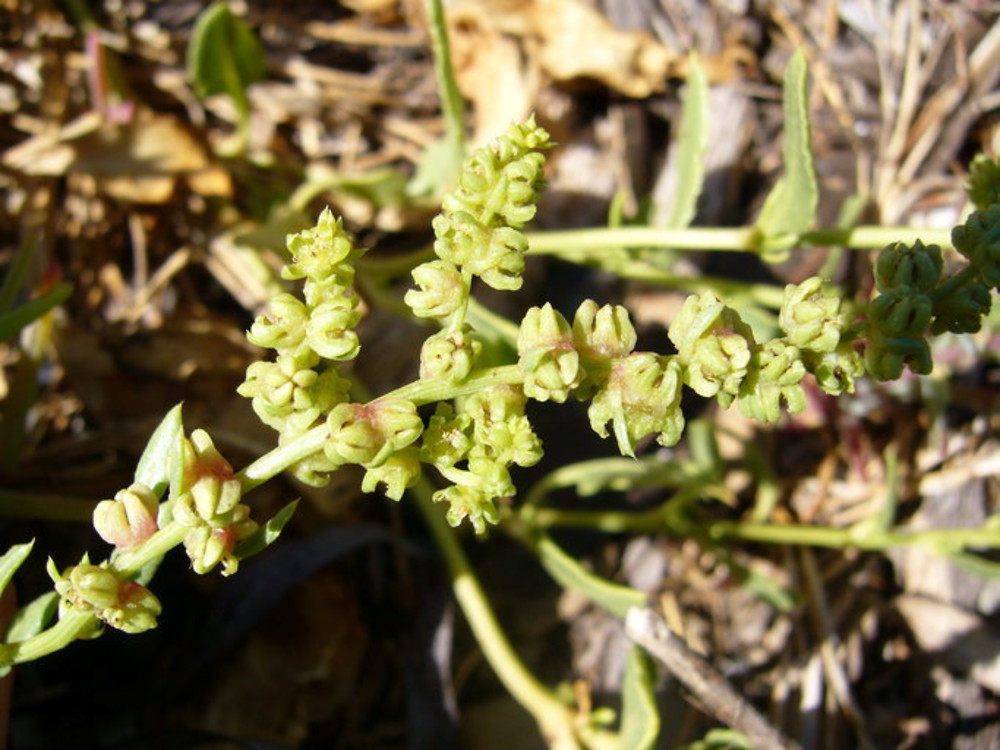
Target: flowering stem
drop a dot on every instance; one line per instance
(71, 626)
(554, 718)
(568, 243)
(657, 521)
(273, 463)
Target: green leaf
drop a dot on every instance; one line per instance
(266, 534)
(692, 142)
(613, 597)
(12, 560)
(12, 321)
(162, 454)
(437, 170)
(791, 206)
(224, 56)
(640, 718)
(32, 618)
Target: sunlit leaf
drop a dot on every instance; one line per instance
(11, 561)
(791, 205)
(692, 142)
(162, 453)
(224, 56)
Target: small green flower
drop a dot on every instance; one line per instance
(836, 371)
(442, 290)
(368, 434)
(774, 379)
(547, 355)
(978, 239)
(323, 254)
(886, 357)
(330, 329)
(446, 440)
(400, 471)
(915, 266)
(129, 519)
(641, 396)
(122, 604)
(810, 316)
(902, 312)
(600, 335)
(283, 328)
(501, 430)
(962, 310)
(449, 356)
(714, 345)
(468, 502)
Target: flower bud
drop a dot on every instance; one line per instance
(468, 502)
(368, 434)
(330, 330)
(129, 519)
(774, 378)
(88, 587)
(886, 357)
(446, 440)
(963, 309)
(400, 471)
(319, 254)
(283, 328)
(449, 357)
(442, 290)
(900, 312)
(641, 396)
(502, 265)
(810, 316)
(547, 355)
(600, 334)
(900, 265)
(136, 611)
(835, 371)
(978, 239)
(714, 345)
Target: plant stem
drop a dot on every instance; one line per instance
(452, 103)
(428, 391)
(71, 626)
(273, 463)
(864, 538)
(715, 238)
(553, 717)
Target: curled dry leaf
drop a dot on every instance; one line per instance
(138, 161)
(500, 48)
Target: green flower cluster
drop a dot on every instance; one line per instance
(478, 235)
(121, 603)
(296, 391)
(473, 444)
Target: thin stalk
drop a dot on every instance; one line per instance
(657, 521)
(452, 104)
(716, 238)
(553, 717)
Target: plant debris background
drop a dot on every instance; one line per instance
(343, 634)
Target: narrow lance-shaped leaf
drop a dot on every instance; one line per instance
(266, 534)
(224, 56)
(11, 561)
(791, 205)
(162, 453)
(692, 143)
(12, 321)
